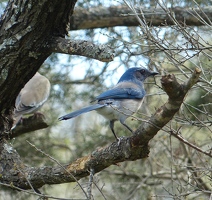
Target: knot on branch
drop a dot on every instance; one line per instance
(173, 89)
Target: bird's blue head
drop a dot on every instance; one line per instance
(136, 75)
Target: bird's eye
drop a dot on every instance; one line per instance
(142, 71)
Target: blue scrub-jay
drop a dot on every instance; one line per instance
(121, 101)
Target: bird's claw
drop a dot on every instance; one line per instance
(119, 139)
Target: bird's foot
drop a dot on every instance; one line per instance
(20, 122)
(134, 133)
(38, 115)
(119, 139)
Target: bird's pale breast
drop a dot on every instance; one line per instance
(120, 109)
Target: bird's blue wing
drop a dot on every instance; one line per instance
(122, 93)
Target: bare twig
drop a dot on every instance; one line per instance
(179, 137)
(90, 183)
(56, 161)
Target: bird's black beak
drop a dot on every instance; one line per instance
(153, 73)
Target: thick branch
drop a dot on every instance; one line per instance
(32, 123)
(101, 17)
(81, 48)
(129, 149)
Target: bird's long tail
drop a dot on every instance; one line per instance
(81, 111)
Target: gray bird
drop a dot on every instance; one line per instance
(34, 94)
(121, 101)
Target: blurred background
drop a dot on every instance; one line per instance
(173, 170)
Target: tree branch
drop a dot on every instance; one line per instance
(179, 137)
(81, 48)
(104, 17)
(163, 115)
(129, 149)
(32, 123)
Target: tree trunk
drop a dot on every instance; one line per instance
(26, 28)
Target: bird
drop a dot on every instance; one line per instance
(120, 102)
(31, 97)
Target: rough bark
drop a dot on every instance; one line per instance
(25, 29)
(82, 48)
(129, 149)
(103, 17)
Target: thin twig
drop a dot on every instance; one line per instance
(53, 159)
(90, 183)
(179, 137)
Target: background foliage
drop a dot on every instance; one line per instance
(173, 170)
